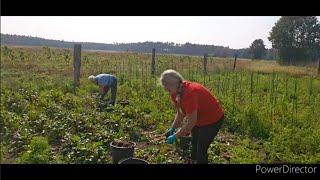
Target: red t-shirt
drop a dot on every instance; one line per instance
(197, 97)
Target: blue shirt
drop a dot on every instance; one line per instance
(105, 79)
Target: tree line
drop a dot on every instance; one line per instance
(295, 38)
(143, 47)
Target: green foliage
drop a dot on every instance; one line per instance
(257, 49)
(38, 152)
(246, 153)
(2, 151)
(297, 39)
(294, 145)
(279, 124)
(257, 127)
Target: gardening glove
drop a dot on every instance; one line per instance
(171, 139)
(170, 132)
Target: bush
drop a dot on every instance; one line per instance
(256, 126)
(232, 123)
(1, 152)
(246, 153)
(38, 152)
(294, 145)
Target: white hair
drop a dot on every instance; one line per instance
(92, 78)
(171, 77)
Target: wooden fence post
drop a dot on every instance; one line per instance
(153, 64)
(205, 63)
(76, 64)
(235, 62)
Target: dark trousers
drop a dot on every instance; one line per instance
(113, 88)
(201, 140)
(113, 91)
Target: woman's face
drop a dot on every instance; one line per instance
(170, 88)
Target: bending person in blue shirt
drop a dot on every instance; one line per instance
(106, 82)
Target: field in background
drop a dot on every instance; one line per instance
(272, 111)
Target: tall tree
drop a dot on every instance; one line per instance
(257, 49)
(297, 39)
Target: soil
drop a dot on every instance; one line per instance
(124, 102)
(119, 143)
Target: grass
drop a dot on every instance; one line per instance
(272, 111)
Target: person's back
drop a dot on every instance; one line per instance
(209, 110)
(105, 79)
(106, 82)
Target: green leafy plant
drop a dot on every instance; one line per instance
(38, 152)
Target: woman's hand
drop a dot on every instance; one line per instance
(192, 121)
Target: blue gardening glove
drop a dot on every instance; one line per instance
(171, 139)
(170, 132)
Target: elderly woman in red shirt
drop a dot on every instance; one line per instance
(199, 107)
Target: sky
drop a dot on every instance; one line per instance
(233, 31)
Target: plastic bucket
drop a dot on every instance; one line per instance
(121, 151)
(133, 161)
